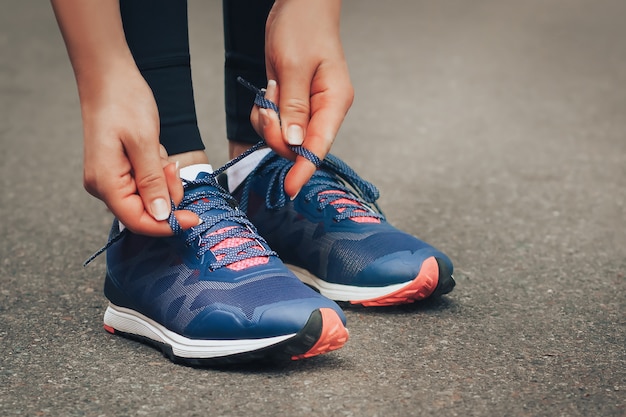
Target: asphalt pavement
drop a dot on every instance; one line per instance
(495, 130)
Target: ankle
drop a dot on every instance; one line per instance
(237, 148)
(189, 158)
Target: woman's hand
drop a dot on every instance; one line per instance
(123, 163)
(309, 81)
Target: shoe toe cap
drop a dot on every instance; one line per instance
(400, 267)
(278, 319)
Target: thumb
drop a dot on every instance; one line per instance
(150, 180)
(295, 106)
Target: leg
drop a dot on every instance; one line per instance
(330, 235)
(156, 32)
(244, 39)
(215, 293)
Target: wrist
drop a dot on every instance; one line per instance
(294, 17)
(95, 79)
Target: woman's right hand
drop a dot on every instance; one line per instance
(124, 164)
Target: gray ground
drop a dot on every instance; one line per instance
(496, 130)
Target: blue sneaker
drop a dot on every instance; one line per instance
(216, 293)
(331, 236)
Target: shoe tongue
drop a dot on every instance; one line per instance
(193, 172)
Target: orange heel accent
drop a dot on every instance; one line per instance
(109, 329)
(421, 287)
(334, 335)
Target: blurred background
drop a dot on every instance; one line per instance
(495, 130)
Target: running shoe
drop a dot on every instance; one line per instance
(216, 293)
(336, 239)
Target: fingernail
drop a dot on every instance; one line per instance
(160, 209)
(265, 117)
(295, 135)
(294, 196)
(178, 169)
(271, 84)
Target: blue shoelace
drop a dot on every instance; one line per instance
(204, 201)
(323, 180)
(261, 101)
(334, 181)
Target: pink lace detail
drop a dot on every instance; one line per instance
(364, 219)
(232, 242)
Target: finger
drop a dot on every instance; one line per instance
(174, 183)
(295, 107)
(299, 174)
(271, 132)
(271, 123)
(142, 223)
(163, 152)
(266, 122)
(145, 158)
(116, 187)
(329, 110)
(131, 212)
(185, 218)
(255, 114)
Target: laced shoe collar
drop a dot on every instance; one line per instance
(224, 230)
(335, 184)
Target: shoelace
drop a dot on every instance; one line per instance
(335, 183)
(261, 101)
(202, 202)
(247, 242)
(324, 184)
(236, 245)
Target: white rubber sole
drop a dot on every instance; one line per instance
(419, 288)
(120, 319)
(339, 292)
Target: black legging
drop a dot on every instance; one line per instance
(157, 34)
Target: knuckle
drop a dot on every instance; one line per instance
(296, 107)
(90, 183)
(144, 138)
(150, 180)
(348, 95)
(140, 138)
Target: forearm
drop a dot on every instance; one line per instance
(301, 19)
(324, 12)
(94, 37)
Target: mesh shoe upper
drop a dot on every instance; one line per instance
(218, 280)
(331, 229)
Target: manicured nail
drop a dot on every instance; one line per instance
(295, 135)
(265, 117)
(160, 209)
(294, 196)
(271, 84)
